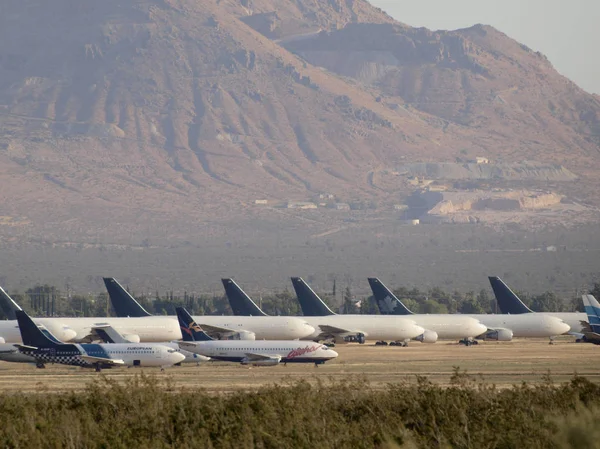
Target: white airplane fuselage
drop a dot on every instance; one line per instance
(282, 351)
(524, 325)
(9, 329)
(450, 326)
(573, 319)
(264, 327)
(130, 354)
(374, 327)
(148, 329)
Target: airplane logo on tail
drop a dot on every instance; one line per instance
(191, 327)
(388, 304)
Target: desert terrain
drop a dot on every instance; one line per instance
(503, 364)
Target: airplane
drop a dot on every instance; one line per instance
(9, 329)
(509, 302)
(242, 327)
(48, 350)
(80, 329)
(461, 327)
(591, 332)
(10, 353)
(340, 328)
(256, 353)
(109, 335)
(502, 327)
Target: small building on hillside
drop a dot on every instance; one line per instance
(301, 205)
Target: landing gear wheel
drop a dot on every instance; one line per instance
(98, 369)
(40, 365)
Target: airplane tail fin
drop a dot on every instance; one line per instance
(310, 302)
(240, 302)
(508, 301)
(32, 335)
(8, 305)
(592, 309)
(387, 302)
(124, 304)
(190, 331)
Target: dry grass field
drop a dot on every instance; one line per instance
(503, 364)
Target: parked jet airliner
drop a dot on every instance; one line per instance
(98, 356)
(80, 329)
(509, 302)
(260, 353)
(506, 326)
(447, 326)
(340, 328)
(260, 328)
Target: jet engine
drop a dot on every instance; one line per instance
(131, 338)
(498, 335)
(427, 337)
(357, 338)
(271, 361)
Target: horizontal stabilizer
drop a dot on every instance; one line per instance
(27, 347)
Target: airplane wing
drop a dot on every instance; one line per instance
(92, 359)
(107, 334)
(253, 357)
(335, 330)
(187, 345)
(216, 331)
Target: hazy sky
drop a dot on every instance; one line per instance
(566, 31)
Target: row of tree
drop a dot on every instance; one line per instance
(45, 300)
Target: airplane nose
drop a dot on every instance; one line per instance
(478, 329)
(176, 357)
(557, 326)
(417, 330)
(307, 330)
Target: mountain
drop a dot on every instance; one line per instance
(128, 118)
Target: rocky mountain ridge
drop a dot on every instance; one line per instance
(125, 118)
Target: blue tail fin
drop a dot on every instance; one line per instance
(8, 305)
(124, 304)
(386, 300)
(508, 302)
(592, 309)
(33, 335)
(310, 302)
(190, 331)
(240, 302)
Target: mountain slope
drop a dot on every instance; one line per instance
(121, 117)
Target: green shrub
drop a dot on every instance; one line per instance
(152, 413)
